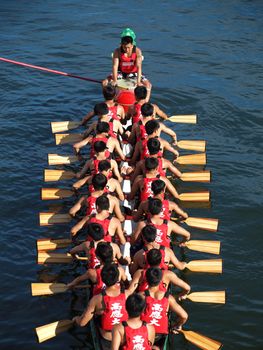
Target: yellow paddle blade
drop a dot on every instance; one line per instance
(63, 126)
(201, 196)
(47, 288)
(46, 219)
(55, 159)
(52, 329)
(192, 145)
(209, 265)
(62, 139)
(55, 193)
(212, 247)
(203, 223)
(189, 119)
(54, 258)
(51, 244)
(201, 341)
(196, 176)
(57, 175)
(217, 297)
(194, 159)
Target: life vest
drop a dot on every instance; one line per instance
(136, 338)
(105, 224)
(161, 235)
(143, 285)
(113, 112)
(95, 139)
(114, 310)
(165, 213)
(127, 64)
(137, 116)
(93, 260)
(147, 191)
(155, 312)
(163, 265)
(99, 286)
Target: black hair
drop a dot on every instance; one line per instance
(135, 304)
(151, 163)
(157, 186)
(149, 233)
(99, 146)
(151, 126)
(155, 206)
(153, 276)
(103, 203)
(99, 181)
(95, 231)
(104, 165)
(140, 92)
(126, 40)
(101, 109)
(147, 109)
(102, 127)
(154, 257)
(109, 92)
(110, 274)
(104, 252)
(153, 145)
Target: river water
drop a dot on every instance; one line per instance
(202, 57)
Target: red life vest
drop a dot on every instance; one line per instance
(136, 338)
(93, 260)
(163, 265)
(161, 236)
(105, 224)
(137, 116)
(95, 139)
(143, 285)
(113, 110)
(114, 312)
(147, 191)
(155, 312)
(99, 286)
(127, 64)
(165, 213)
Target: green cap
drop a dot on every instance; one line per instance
(129, 32)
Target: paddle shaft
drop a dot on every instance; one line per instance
(49, 70)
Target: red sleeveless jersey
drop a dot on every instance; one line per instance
(136, 338)
(127, 64)
(147, 191)
(163, 265)
(137, 116)
(95, 139)
(93, 260)
(99, 286)
(105, 224)
(113, 112)
(143, 285)
(155, 312)
(161, 236)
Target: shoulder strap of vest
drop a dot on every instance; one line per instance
(92, 245)
(162, 247)
(165, 221)
(167, 293)
(147, 293)
(134, 49)
(125, 324)
(122, 289)
(158, 176)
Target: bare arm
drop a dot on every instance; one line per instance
(90, 129)
(82, 143)
(117, 335)
(139, 66)
(117, 209)
(84, 169)
(166, 146)
(81, 182)
(176, 281)
(88, 313)
(168, 131)
(77, 206)
(135, 188)
(173, 260)
(159, 112)
(115, 65)
(182, 316)
(115, 170)
(168, 165)
(179, 230)
(137, 231)
(174, 207)
(118, 190)
(135, 280)
(141, 210)
(119, 232)
(75, 229)
(89, 116)
(118, 149)
(170, 187)
(136, 153)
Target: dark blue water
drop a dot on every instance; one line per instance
(202, 57)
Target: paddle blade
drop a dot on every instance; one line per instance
(55, 193)
(203, 223)
(189, 119)
(194, 159)
(57, 175)
(192, 145)
(47, 288)
(53, 258)
(201, 341)
(217, 297)
(196, 176)
(62, 139)
(55, 159)
(63, 126)
(209, 265)
(201, 196)
(52, 329)
(211, 247)
(51, 244)
(46, 219)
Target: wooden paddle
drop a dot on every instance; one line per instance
(63, 126)
(46, 219)
(201, 196)
(212, 247)
(38, 289)
(51, 330)
(189, 119)
(58, 175)
(192, 145)
(57, 258)
(56, 159)
(62, 139)
(44, 244)
(195, 176)
(217, 297)
(209, 265)
(194, 159)
(201, 341)
(202, 223)
(55, 193)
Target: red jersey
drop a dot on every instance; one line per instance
(155, 312)
(95, 139)
(161, 236)
(163, 265)
(113, 112)
(127, 64)
(105, 224)
(136, 338)
(137, 116)
(99, 286)
(143, 285)
(165, 213)
(93, 260)
(147, 190)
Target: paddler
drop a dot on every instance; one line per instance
(133, 333)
